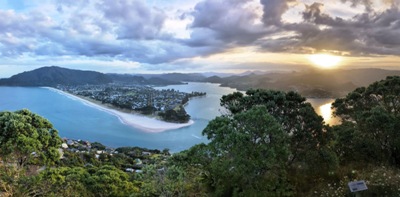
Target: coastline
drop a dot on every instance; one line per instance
(144, 123)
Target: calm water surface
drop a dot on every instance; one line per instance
(75, 120)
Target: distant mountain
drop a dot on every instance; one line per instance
(214, 79)
(140, 80)
(162, 81)
(53, 75)
(256, 72)
(176, 77)
(127, 78)
(211, 74)
(314, 83)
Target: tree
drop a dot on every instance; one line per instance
(178, 115)
(62, 181)
(374, 112)
(110, 181)
(26, 137)
(247, 154)
(165, 181)
(97, 146)
(309, 138)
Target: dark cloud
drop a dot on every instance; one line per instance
(375, 33)
(367, 3)
(132, 30)
(273, 11)
(314, 14)
(220, 25)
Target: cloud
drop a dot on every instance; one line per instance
(367, 3)
(222, 25)
(151, 33)
(273, 11)
(133, 19)
(314, 14)
(373, 33)
(370, 4)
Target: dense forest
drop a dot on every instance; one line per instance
(269, 143)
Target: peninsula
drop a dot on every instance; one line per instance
(141, 122)
(166, 105)
(125, 93)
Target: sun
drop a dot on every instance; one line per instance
(325, 60)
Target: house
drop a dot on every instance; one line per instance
(70, 142)
(64, 145)
(145, 153)
(138, 162)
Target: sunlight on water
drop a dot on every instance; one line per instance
(326, 112)
(322, 107)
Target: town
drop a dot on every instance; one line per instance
(164, 104)
(129, 159)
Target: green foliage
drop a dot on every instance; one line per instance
(165, 181)
(72, 160)
(247, 153)
(26, 137)
(178, 115)
(97, 146)
(63, 181)
(371, 118)
(308, 135)
(110, 181)
(351, 145)
(78, 181)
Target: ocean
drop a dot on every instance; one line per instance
(73, 119)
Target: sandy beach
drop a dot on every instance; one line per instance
(143, 123)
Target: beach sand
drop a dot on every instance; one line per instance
(140, 122)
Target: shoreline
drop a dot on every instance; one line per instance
(141, 122)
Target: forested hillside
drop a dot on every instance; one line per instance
(270, 143)
(54, 75)
(311, 83)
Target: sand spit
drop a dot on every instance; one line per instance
(141, 122)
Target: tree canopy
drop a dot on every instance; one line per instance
(296, 116)
(246, 148)
(25, 137)
(371, 116)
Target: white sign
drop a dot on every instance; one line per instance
(357, 186)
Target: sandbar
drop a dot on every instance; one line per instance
(137, 121)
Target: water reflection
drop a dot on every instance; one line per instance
(323, 108)
(326, 112)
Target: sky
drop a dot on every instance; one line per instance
(160, 36)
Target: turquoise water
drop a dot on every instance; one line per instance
(75, 120)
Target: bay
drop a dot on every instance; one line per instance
(322, 107)
(73, 119)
